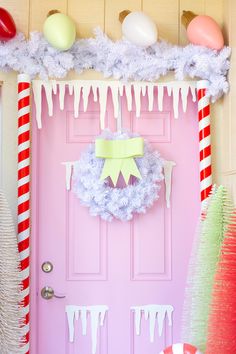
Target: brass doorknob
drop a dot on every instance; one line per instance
(48, 293)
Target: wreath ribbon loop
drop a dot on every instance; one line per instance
(119, 158)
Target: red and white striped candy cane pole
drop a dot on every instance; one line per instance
(24, 197)
(204, 140)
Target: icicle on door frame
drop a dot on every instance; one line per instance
(80, 89)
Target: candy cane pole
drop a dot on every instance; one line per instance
(204, 140)
(24, 197)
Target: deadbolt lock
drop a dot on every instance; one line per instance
(47, 267)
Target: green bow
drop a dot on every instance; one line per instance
(119, 155)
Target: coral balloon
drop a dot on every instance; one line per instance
(139, 28)
(7, 25)
(181, 348)
(59, 30)
(203, 30)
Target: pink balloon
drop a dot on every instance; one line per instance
(203, 30)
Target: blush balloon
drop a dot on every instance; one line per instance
(7, 25)
(204, 30)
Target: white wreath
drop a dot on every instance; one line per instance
(120, 203)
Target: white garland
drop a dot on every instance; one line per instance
(120, 59)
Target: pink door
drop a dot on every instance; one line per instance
(113, 270)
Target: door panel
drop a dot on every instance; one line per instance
(87, 244)
(118, 264)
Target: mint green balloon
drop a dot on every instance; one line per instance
(60, 31)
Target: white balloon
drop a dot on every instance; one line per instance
(139, 29)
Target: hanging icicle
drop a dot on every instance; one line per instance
(153, 313)
(97, 317)
(81, 89)
(168, 167)
(69, 171)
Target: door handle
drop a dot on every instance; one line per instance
(48, 293)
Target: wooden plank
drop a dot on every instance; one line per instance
(214, 8)
(87, 14)
(9, 138)
(40, 9)
(197, 7)
(112, 10)
(226, 20)
(19, 9)
(166, 15)
(223, 132)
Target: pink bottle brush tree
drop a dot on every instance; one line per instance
(222, 319)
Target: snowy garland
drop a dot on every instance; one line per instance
(121, 60)
(120, 203)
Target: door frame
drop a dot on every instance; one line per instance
(206, 185)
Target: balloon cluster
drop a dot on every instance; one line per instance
(202, 30)
(137, 27)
